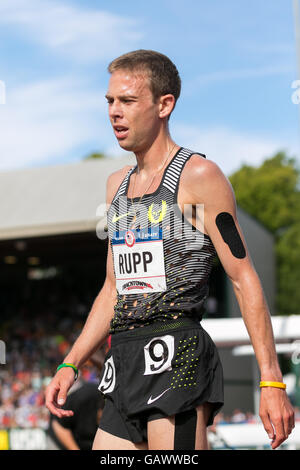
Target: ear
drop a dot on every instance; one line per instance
(166, 105)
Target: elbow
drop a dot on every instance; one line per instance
(246, 280)
(109, 288)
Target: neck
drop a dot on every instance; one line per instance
(154, 156)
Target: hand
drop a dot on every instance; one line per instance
(56, 392)
(277, 414)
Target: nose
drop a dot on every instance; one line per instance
(115, 110)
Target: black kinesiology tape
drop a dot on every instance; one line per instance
(185, 430)
(230, 234)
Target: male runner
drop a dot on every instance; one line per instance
(162, 378)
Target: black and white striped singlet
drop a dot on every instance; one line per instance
(162, 265)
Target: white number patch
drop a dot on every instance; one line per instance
(108, 381)
(159, 353)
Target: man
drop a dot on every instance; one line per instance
(162, 377)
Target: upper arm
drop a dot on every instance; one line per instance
(113, 182)
(213, 189)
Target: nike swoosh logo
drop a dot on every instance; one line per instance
(151, 400)
(116, 218)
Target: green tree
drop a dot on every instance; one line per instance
(94, 155)
(288, 270)
(271, 194)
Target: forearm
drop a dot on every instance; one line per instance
(96, 328)
(256, 315)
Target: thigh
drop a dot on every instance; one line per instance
(161, 432)
(105, 441)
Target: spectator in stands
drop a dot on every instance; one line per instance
(238, 417)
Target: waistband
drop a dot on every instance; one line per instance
(153, 329)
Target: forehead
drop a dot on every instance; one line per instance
(129, 82)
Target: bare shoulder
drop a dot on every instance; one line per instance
(200, 166)
(114, 180)
(117, 176)
(205, 178)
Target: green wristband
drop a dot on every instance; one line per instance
(65, 364)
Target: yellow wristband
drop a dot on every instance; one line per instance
(273, 384)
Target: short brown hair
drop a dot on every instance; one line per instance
(163, 74)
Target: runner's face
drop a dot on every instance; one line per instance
(132, 112)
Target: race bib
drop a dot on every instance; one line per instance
(139, 261)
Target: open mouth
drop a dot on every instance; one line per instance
(121, 131)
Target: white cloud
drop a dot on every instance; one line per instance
(231, 148)
(236, 74)
(82, 34)
(48, 119)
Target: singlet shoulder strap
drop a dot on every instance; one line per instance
(172, 175)
(123, 186)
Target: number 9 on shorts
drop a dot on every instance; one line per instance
(159, 353)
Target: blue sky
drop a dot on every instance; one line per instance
(237, 61)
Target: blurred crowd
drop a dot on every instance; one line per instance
(37, 337)
(239, 417)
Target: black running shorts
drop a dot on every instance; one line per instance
(157, 371)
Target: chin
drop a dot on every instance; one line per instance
(126, 146)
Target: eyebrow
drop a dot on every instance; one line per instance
(121, 97)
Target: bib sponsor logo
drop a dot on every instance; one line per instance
(158, 354)
(108, 381)
(136, 285)
(129, 238)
